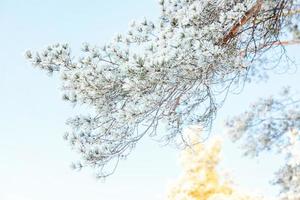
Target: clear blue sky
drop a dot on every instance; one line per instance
(34, 160)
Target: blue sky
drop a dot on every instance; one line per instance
(34, 159)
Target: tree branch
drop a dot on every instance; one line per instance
(248, 15)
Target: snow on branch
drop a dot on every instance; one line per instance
(170, 70)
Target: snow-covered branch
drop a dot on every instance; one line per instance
(169, 70)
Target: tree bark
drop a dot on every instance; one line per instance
(248, 15)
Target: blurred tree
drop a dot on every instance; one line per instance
(200, 179)
(273, 124)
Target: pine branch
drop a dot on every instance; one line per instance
(248, 15)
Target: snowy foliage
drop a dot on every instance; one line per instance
(273, 124)
(171, 70)
(288, 177)
(266, 124)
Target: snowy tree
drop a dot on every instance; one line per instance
(172, 72)
(273, 124)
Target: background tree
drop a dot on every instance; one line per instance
(201, 180)
(272, 124)
(177, 69)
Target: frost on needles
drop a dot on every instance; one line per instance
(168, 71)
